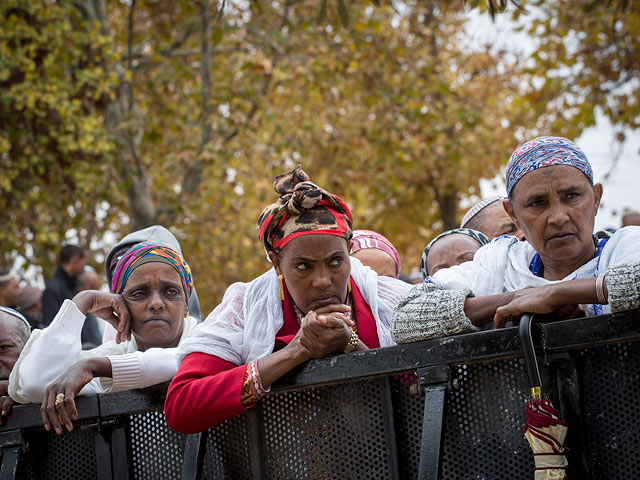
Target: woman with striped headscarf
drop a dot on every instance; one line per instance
(553, 200)
(376, 252)
(151, 284)
(315, 301)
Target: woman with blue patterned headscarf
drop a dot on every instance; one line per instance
(552, 198)
(151, 284)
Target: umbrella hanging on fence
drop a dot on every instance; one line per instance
(544, 429)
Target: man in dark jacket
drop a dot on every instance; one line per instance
(64, 283)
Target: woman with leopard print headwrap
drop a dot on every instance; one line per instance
(315, 301)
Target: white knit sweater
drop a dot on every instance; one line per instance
(51, 351)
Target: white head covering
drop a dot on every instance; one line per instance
(16, 314)
(477, 208)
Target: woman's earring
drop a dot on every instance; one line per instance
(281, 287)
(349, 285)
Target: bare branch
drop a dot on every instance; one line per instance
(144, 61)
(130, 49)
(193, 175)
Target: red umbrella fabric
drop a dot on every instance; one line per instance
(546, 432)
(544, 429)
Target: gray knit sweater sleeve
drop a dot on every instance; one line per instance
(623, 284)
(429, 311)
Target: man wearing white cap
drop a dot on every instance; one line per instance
(489, 217)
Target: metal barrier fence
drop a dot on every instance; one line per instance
(451, 408)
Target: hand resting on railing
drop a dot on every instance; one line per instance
(552, 198)
(149, 313)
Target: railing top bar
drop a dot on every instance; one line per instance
(28, 416)
(458, 349)
(136, 401)
(591, 331)
(478, 346)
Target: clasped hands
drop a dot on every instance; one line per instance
(324, 331)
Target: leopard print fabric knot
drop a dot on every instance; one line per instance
(303, 208)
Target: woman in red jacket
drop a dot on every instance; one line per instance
(314, 302)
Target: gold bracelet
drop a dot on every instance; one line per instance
(352, 343)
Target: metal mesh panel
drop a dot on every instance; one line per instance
(408, 409)
(610, 392)
(326, 432)
(156, 450)
(71, 455)
(228, 450)
(339, 431)
(485, 415)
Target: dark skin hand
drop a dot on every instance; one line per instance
(322, 332)
(325, 331)
(335, 311)
(562, 301)
(70, 383)
(6, 402)
(564, 298)
(108, 306)
(481, 310)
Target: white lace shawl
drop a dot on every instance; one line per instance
(503, 266)
(244, 326)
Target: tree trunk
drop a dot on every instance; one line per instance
(448, 205)
(142, 209)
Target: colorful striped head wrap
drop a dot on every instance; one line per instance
(545, 152)
(479, 237)
(363, 239)
(303, 208)
(146, 252)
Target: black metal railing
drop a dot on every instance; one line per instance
(449, 408)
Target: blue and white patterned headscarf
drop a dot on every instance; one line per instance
(545, 152)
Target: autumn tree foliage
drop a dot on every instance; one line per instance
(118, 115)
(54, 150)
(587, 59)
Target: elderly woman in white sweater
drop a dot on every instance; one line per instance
(152, 285)
(562, 268)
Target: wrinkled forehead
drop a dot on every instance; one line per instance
(545, 179)
(8, 324)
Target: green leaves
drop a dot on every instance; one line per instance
(386, 110)
(51, 122)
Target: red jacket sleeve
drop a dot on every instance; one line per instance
(204, 392)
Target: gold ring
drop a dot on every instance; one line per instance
(59, 399)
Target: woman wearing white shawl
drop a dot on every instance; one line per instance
(552, 199)
(316, 301)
